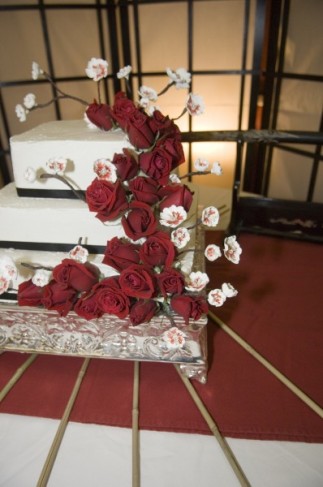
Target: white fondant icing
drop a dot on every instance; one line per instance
(70, 139)
(51, 220)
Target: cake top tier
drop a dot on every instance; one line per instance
(72, 130)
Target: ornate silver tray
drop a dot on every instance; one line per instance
(25, 329)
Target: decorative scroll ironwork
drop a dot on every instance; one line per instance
(33, 330)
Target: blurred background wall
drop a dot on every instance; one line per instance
(257, 64)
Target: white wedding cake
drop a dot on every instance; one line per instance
(41, 220)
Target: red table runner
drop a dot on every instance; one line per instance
(277, 311)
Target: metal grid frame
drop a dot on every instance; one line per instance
(271, 27)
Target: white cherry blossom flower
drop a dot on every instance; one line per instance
(104, 169)
(232, 249)
(30, 101)
(201, 165)
(147, 92)
(174, 178)
(216, 297)
(216, 169)
(124, 72)
(212, 252)
(197, 281)
(173, 216)
(229, 290)
(79, 253)
(210, 216)
(144, 102)
(181, 77)
(180, 237)
(56, 165)
(21, 113)
(174, 338)
(4, 284)
(30, 174)
(97, 69)
(36, 71)
(195, 104)
(8, 269)
(41, 277)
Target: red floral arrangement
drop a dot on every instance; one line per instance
(139, 188)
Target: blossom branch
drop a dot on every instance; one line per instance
(78, 194)
(35, 267)
(64, 95)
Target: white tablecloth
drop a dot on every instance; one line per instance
(92, 455)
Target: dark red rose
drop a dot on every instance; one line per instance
(122, 110)
(157, 164)
(80, 277)
(107, 199)
(59, 298)
(100, 115)
(126, 164)
(111, 298)
(145, 190)
(143, 311)
(119, 254)
(140, 221)
(138, 281)
(87, 307)
(158, 250)
(189, 306)
(138, 130)
(163, 125)
(176, 194)
(29, 294)
(174, 149)
(170, 282)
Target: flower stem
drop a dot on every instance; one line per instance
(183, 113)
(78, 194)
(166, 88)
(35, 267)
(64, 95)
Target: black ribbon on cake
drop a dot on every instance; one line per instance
(49, 247)
(50, 193)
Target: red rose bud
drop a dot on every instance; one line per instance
(143, 311)
(189, 306)
(73, 274)
(157, 164)
(138, 281)
(107, 199)
(163, 125)
(59, 298)
(126, 164)
(158, 250)
(29, 294)
(170, 282)
(119, 254)
(176, 194)
(174, 148)
(140, 221)
(87, 307)
(122, 110)
(138, 130)
(112, 299)
(100, 115)
(145, 190)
